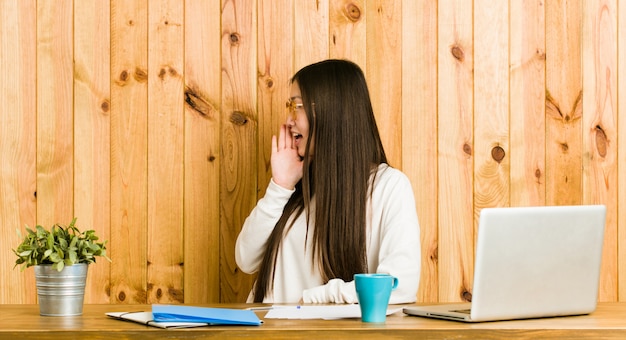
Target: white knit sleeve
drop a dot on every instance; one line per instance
(252, 240)
(335, 291)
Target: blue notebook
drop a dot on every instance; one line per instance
(214, 316)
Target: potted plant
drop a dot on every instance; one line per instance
(60, 257)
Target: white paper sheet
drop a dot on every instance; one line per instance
(326, 312)
(146, 318)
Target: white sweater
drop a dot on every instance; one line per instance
(393, 245)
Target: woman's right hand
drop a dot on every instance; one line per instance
(285, 161)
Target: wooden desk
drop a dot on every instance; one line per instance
(24, 322)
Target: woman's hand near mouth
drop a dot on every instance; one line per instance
(285, 161)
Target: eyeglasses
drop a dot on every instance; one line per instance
(292, 106)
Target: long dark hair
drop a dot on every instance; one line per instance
(347, 151)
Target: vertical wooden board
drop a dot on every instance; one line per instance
(599, 124)
(491, 105)
(621, 143)
(384, 73)
(455, 150)
(92, 177)
(202, 140)
(129, 168)
(563, 102)
(311, 32)
(419, 126)
(55, 159)
(17, 143)
(348, 31)
(238, 169)
(274, 57)
(165, 151)
(527, 103)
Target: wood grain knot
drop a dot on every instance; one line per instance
(434, 254)
(121, 296)
(466, 296)
(141, 75)
(467, 149)
(457, 53)
(541, 55)
(159, 294)
(497, 153)
(537, 173)
(210, 158)
(197, 103)
(176, 294)
(238, 118)
(123, 77)
(353, 12)
(131, 23)
(234, 39)
(105, 106)
(601, 141)
(564, 147)
(269, 83)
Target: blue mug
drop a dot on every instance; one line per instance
(373, 292)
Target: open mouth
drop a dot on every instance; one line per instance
(296, 139)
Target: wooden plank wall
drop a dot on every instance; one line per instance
(151, 121)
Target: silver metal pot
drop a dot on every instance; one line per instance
(61, 293)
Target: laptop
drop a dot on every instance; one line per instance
(531, 262)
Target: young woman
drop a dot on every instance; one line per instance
(333, 207)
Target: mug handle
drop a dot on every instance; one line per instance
(394, 283)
